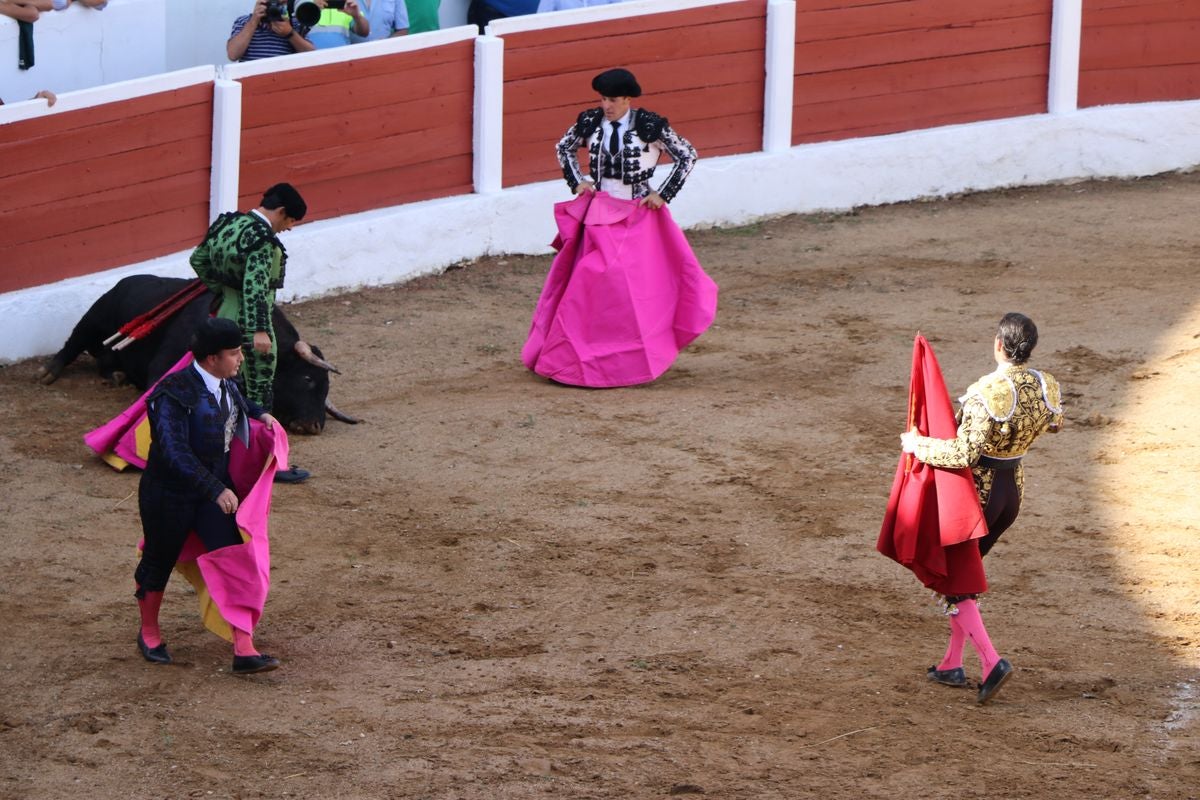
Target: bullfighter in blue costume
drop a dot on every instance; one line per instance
(194, 414)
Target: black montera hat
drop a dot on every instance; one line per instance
(616, 83)
(285, 196)
(214, 335)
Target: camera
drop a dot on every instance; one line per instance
(309, 13)
(277, 10)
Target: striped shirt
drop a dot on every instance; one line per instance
(265, 43)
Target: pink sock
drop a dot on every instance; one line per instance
(148, 606)
(243, 643)
(954, 650)
(972, 624)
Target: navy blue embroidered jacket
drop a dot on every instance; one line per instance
(187, 446)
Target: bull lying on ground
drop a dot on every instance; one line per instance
(301, 375)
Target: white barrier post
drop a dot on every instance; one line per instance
(781, 67)
(1066, 29)
(226, 147)
(488, 135)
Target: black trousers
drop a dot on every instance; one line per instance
(1003, 505)
(167, 517)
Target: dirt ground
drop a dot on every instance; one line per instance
(496, 587)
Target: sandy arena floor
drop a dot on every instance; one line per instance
(496, 587)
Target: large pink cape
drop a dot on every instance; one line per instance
(125, 439)
(625, 294)
(231, 583)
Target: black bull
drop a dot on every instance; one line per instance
(301, 374)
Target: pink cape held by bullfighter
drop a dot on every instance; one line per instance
(624, 295)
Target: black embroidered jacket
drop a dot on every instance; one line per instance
(642, 144)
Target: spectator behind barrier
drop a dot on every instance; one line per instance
(19, 10)
(423, 15)
(45, 94)
(30, 10)
(388, 18)
(266, 32)
(566, 5)
(329, 25)
(480, 13)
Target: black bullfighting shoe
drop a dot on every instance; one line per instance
(155, 655)
(949, 677)
(995, 679)
(293, 475)
(248, 665)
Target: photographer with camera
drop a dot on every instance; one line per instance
(270, 30)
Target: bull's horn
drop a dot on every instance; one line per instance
(333, 411)
(304, 351)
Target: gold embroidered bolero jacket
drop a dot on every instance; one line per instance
(1000, 416)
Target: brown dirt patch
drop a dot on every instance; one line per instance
(497, 587)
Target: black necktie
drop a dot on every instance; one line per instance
(224, 402)
(614, 141)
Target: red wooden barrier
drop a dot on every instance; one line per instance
(1137, 51)
(361, 135)
(100, 187)
(702, 68)
(867, 67)
(90, 189)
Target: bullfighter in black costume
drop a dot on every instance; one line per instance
(626, 292)
(624, 145)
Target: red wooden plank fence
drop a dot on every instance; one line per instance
(1137, 51)
(99, 187)
(702, 68)
(866, 68)
(86, 190)
(362, 134)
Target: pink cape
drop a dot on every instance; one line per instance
(933, 518)
(625, 294)
(231, 583)
(125, 439)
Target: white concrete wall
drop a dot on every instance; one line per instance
(396, 244)
(80, 48)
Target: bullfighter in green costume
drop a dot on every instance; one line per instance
(242, 260)
(244, 263)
